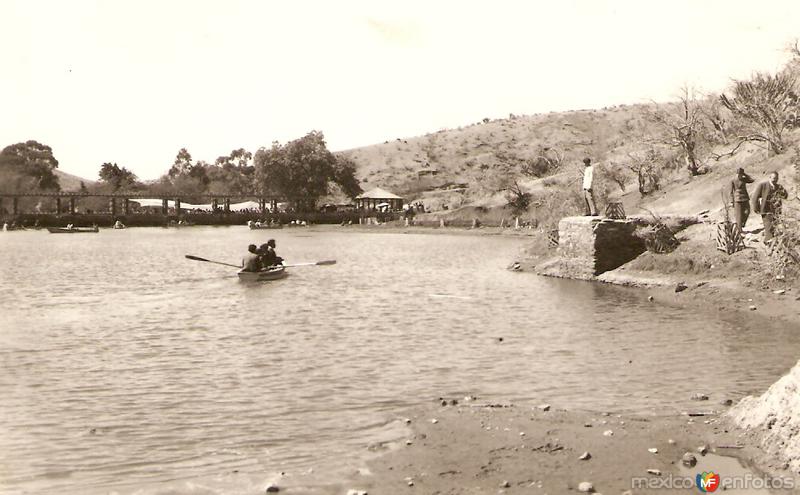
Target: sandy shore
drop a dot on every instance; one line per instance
(475, 447)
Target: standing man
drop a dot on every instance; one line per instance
(740, 198)
(767, 202)
(588, 182)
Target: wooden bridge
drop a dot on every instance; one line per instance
(124, 200)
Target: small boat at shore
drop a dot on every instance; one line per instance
(265, 226)
(274, 273)
(73, 230)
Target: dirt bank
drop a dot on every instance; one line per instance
(476, 447)
(773, 422)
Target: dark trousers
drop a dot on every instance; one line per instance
(769, 219)
(741, 210)
(588, 196)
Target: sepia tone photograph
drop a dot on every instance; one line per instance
(399, 248)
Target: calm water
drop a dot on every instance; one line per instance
(128, 369)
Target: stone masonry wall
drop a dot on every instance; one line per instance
(589, 246)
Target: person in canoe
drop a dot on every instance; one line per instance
(251, 262)
(269, 257)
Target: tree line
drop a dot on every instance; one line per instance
(300, 172)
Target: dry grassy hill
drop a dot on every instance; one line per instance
(470, 162)
(71, 183)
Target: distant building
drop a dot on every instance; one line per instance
(379, 199)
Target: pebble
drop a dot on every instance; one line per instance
(434, 421)
(544, 407)
(703, 449)
(453, 402)
(726, 402)
(409, 442)
(407, 421)
(410, 483)
(680, 287)
(585, 487)
(653, 450)
(779, 292)
(689, 460)
(753, 308)
(356, 492)
(699, 396)
(650, 298)
(671, 441)
(608, 433)
(273, 488)
(585, 456)
(505, 484)
(587, 425)
(522, 433)
(655, 472)
(444, 402)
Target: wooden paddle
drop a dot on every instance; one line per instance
(313, 263)
(197, 258)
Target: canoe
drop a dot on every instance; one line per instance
(271, 274)
(73, 230)
(261, 227)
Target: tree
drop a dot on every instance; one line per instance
(182, 164)
(546, 161)
(344, 174)
(232, 173)
(301, 170)
(117, 177)
(685, 127)
(645, 166)
(766, 106)
(517, 198)
(30, 165)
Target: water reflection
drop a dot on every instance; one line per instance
(125, 364)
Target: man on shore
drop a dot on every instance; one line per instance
(740, 198)
(251, 260)
(767, 202)
(588, 191)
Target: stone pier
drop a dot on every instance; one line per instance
(589, 246)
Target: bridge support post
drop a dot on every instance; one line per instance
(72, 205)
(164, 207)
(15, 205)
(112, 205)
(58, 205)
(127, 206)
(214, 205)
(226, 204)
(177, 206)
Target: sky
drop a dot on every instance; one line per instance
(132, 82)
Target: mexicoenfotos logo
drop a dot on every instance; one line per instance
(707, 481)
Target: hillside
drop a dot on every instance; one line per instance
(71, 183)
(470, 162)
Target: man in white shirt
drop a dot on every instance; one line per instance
(588, 181)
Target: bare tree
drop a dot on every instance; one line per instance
(546, 160)
(767, 106)
(645, 166)
(684, 124)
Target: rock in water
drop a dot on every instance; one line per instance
(585, 487)
(681, 287)
(699, 396)
(272, 488)
(585, 456)
(689, 460)
(654, 472)
(505, 484)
